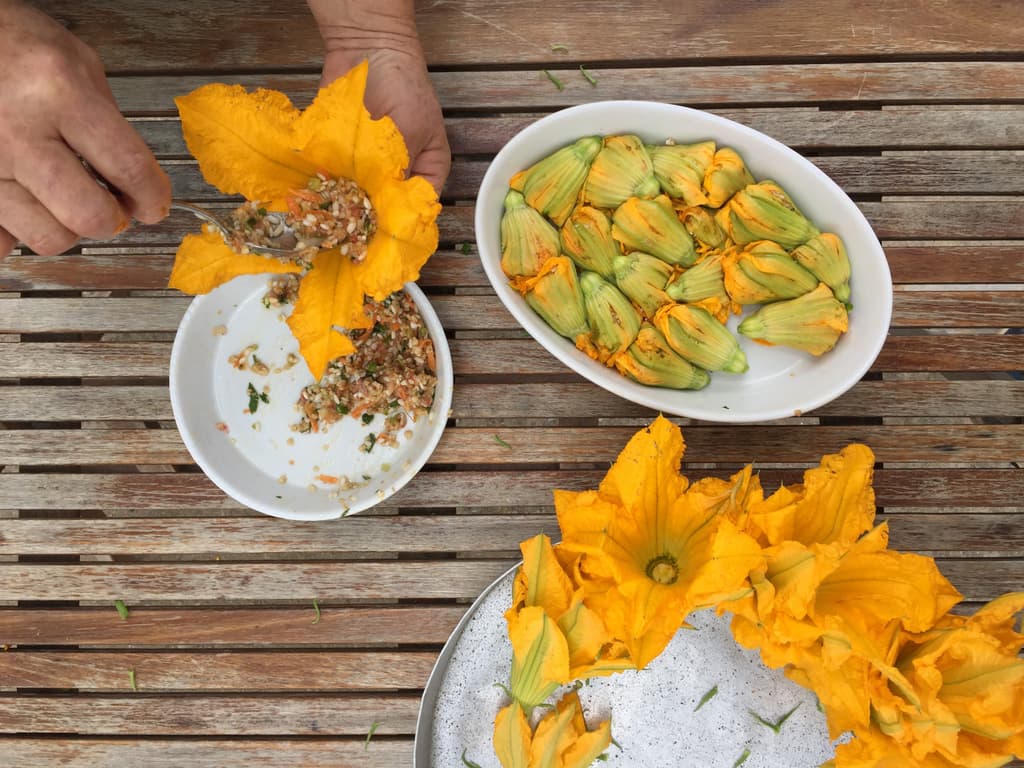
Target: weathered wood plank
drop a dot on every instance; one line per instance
(320, 715)
(970, 529)
(892, 173)
(112, 269)
(737, 85)
(479, 357)
(237, 35)
(896, 218)
(211, 753)
(236, 671)
(474, 534)
(235, 627)
(977, 579)
(937, 487)
(187, 583)
(575, 400)
(932, 308)
(937, 126)
(998, 443)
(140, 493)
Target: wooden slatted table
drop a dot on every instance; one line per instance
(916, 109)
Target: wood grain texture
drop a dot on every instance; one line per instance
(221, 627)
(252, 715)
(192, 671)
(208, 753)
(163, 35)
(112, 268)
(481, 357)
(874, 83)
(967, 529)
(928, 309)
(914, 109)
(988, 444)
(940, 126)
(477, 489)
(575, 399)
(191, 583)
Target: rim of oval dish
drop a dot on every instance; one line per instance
(790, 383)
(226, 466)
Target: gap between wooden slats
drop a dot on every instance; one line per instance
(319, 752)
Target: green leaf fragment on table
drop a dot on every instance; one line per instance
(254, 398)
(316, 609)
(502, 443)
(122, 609)
(373, 729)
(777, 725)
(555, 80)
(590, 78)
(706, 698)
(131, 680)
(470, 763)
(741, 759)
(559, 48)
(466, 248)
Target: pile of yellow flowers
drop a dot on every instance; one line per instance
(809, 580)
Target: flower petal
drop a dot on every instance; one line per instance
(337, 133)
(512, 737)
(205, 261)
(646, 473)
(327, 295)
(540, 580)
(244, 142)
(406, 236)
(540, 656)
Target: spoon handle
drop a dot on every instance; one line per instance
(201, 213)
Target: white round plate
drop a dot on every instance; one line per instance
(781, 382)
(654, 712)
(258, 460)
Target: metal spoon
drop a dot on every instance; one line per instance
(283, 236)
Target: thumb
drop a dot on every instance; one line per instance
(434, 164)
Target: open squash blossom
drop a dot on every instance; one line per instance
(811, 584)
(260, 146)
(667, 551)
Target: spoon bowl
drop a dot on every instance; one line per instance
(282, 235)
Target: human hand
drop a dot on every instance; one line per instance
(384, 32)
(397, 85)
(56, 110)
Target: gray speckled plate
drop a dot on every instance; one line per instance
(653, 711)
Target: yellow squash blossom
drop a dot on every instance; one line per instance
(560, 740)
(260, 146)
(541, 581)
(666, 551)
